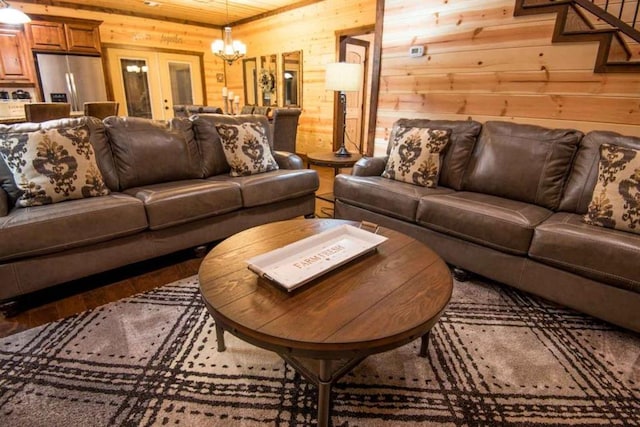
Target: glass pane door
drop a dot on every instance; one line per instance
(180, 76)
(148, 84)
(136, 87)
(183, 84)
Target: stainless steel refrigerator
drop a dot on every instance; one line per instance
(74, 79)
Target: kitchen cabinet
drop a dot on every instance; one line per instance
(44, 35)
(15, 57)
(55, 34)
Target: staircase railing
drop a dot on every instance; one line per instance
(622, 14)
(614, 24)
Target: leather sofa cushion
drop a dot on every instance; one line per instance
(74, 223)
(172, 203)
(603, 254)
(273, 186)
(4, 203)
(503, 224)
(204, 126)
(149, 152)
(97, 137)
(522, 162)
(458, 152)
(382, 195)
(584, 173)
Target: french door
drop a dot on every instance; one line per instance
(148, 84)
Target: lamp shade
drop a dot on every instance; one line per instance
(9, 15)
(343, 77)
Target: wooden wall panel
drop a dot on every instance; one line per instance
(480, 62)
(311, 29)
(483, 63)
(148, 33)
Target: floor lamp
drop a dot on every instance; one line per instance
(343, 77)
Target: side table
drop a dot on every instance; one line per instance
(330, 160)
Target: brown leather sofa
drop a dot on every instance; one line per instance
(168, 193)
(509, 206)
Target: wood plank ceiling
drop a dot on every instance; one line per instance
(206, 13)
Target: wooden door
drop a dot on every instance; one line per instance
(356, 51)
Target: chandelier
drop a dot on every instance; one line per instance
(227, 48)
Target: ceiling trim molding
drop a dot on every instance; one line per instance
(115, 11)
(278, 11)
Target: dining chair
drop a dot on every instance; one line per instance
(261, 110)
(186, 110)
(180, 110)
(285, 128)
(247, 109)
(101, 110)
(210, 109)
(37, 112)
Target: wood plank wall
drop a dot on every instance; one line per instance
(150, 33)
(483, 63)
(311, 29)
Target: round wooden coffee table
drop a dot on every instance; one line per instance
(375, 303)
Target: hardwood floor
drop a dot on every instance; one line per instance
(91, 292)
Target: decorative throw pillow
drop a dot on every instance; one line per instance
(53, 165)
(616, 198)
(415, 155)
(246, 148)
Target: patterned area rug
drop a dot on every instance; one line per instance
(497, 357)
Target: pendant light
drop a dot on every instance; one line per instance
(227, 48)
(11, 16)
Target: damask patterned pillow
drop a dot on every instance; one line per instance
(415, 155)
(53, 165)
(246, 148)
(616, 198)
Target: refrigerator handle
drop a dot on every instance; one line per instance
(67, 78)
(74, 92)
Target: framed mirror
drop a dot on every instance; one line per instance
(250, 76)
(267, 80)
(292, 79)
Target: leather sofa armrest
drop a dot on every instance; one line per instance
(287, 160)
(370, 166)
(4, 203)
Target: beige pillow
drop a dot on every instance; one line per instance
(415, 155)
(53, 165)
(246, 148)
(616, 198)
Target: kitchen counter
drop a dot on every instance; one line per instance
(14, 120)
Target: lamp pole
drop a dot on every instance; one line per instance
(342, 151)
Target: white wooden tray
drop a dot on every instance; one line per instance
(300, 262)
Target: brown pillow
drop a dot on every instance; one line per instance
(246, 148)
(415, 155)
(52, 165)
(616, 198)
